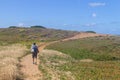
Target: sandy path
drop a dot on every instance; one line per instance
(84, 35)
(31, 71)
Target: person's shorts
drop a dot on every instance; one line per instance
(34, 55)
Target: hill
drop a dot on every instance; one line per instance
(73, 55)
(33, 34)
(88, 58)
(96, 48)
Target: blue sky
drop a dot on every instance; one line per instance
(102, 16)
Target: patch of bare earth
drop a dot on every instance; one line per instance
(86, 60)
(84, 35)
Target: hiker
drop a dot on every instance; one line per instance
(35, 51)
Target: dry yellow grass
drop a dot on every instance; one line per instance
(9, 60)
(14, 51)
(9, 72)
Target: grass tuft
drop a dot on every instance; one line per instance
(9, 61)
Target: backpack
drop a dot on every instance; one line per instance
(34, 49)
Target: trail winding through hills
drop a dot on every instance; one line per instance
(31, 71)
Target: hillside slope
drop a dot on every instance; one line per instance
(29, 34)
(93, 58)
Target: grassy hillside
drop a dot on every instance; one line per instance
(32, 34)
(96, 58)
(58, 66)
(97, 48)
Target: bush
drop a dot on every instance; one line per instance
(13, 27)
(90, 32)
(38, 27)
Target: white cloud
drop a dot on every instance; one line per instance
(65, 24)
(90, 25)
(96, 4)
(94, 15)
(21, 25)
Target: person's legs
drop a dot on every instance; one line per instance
(33, 56)
(36, 58)
(33, 60)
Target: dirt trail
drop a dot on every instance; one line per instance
(84, 35)
(31, 71)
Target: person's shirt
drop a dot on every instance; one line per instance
(34, 48)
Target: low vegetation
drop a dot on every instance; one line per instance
(50, 61)
(38, 27)
(96, 58)
(90, 31)
(97, 48)
(9, 61)
(13, 35)
(58, 66)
